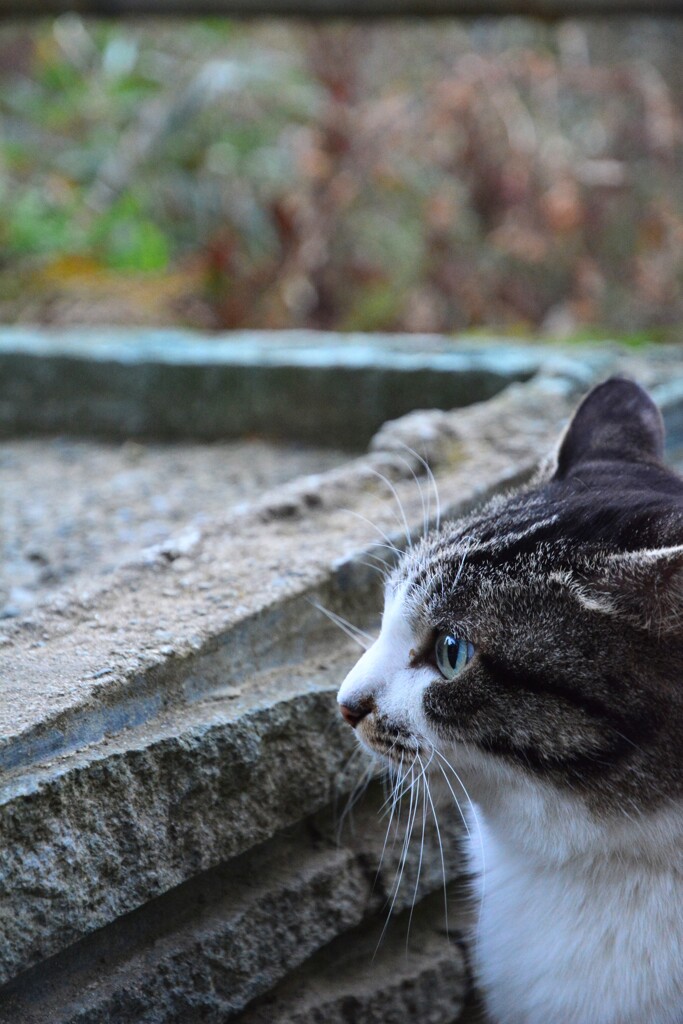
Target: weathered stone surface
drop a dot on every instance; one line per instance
(205, 949)
(122, 653)
(121, 785)
(411, 973)
(125, 821)
(119, 502)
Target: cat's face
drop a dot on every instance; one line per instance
(542, 637)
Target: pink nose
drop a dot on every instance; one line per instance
(357, 713)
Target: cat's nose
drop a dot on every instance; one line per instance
(354, 715)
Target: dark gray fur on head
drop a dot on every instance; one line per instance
(572, 593)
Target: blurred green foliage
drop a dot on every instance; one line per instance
(408, 176)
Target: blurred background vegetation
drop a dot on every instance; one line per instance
(419, 176)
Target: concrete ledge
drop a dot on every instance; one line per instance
(311, 386)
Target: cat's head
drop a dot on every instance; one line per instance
(542, 637)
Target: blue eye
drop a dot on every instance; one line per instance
(452, 655)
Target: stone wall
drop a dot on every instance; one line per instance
(174, 769)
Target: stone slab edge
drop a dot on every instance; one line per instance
(314, 386)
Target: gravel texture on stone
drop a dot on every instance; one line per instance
(71, 508)
(410, 972)
(208, 948)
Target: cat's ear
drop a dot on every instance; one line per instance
(643, 588)
(618, 421)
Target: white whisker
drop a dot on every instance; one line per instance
(432, 480)
(355, 795)
(422, 845)
(479, 833)
(389, 542)
(394, 804)
(383, 571)
(362, 638)
(378, 558)
(443, 863)
(456, 801)
(402, 519)
(425, 507)
(467, 540)
(412, 814)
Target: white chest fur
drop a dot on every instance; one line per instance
(596, 938)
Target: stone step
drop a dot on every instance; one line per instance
(408, 972)
(204, 950)
(99, 831)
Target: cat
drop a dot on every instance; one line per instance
(533, 654)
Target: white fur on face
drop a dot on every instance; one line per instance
(384, 674)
